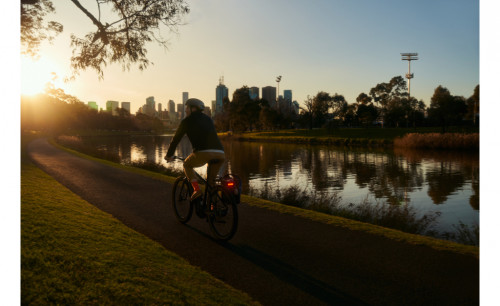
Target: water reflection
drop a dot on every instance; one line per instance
(429, 180)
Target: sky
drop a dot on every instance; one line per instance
(336, 46)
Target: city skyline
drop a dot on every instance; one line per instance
(332, 46)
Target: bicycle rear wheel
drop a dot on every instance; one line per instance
(181, 203)
(222, 215)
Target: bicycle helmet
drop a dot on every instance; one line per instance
(196, 103)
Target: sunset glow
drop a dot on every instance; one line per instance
(35, 74)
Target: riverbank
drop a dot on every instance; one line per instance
(360, 137)
(73, 253)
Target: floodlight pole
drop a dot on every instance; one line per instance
(409, 57)
(278, 80)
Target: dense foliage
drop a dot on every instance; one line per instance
(56, 112)
(119, 36)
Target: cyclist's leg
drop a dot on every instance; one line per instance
(194, 160)
(216, 162)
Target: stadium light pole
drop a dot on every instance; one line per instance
(278, 80)
(409, 57)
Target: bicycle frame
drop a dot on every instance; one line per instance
(201, 180)
(214, 205)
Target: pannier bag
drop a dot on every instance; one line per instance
(232, 184)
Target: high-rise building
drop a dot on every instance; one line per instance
(221, 91)
(150, 102)
(171, 106)
(288, 95)
(180, 110)
(159, 107)
(185, 97)
(126, 106)
(111, 107)
(93, 105)
(269, 94)
(254, 93)
(296, 107)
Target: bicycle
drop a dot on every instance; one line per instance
(217, 204)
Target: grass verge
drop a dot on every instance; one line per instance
(73, 253)
(438, 244)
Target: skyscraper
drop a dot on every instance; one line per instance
(126, 106)
(288, 95)
(221, 92)
(171, 110)
(185, 97)
(111, 107)
(93, 105)
(269, 94)
(180, 110)
(171, 106)
(150, 102)
(254, 93)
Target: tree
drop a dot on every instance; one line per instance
(384, 92)
(268, 117)
(33, 28)
(473, 105)
(363, 98)
(389, 94)
(446, 109)
(306, 113)
(117, 38)
(366, 114)
(320, 105)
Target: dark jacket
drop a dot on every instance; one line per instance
(201, 132)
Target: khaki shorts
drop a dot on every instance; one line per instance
(199, 159)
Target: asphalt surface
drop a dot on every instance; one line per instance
(278, 259)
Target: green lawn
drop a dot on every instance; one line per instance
(73, 253)
(376, 137)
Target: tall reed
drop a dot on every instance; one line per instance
(401, 217)
(439, 141)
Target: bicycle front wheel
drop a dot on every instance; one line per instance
(181, 203)
(222, 214)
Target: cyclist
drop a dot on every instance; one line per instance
(206, 145)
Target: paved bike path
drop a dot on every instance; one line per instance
(278, 259)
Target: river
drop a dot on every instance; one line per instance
(442, 182)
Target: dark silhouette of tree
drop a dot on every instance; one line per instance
(366, 114)
(338, 105)
(119, 37)
(473, 106)
(320, 105)
(363, 98)
(384, 93)
(268, 117)
(307, 112)
(445, 109)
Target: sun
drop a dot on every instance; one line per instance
(35, 74)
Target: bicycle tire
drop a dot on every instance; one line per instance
(181, 200)
(222, 214)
